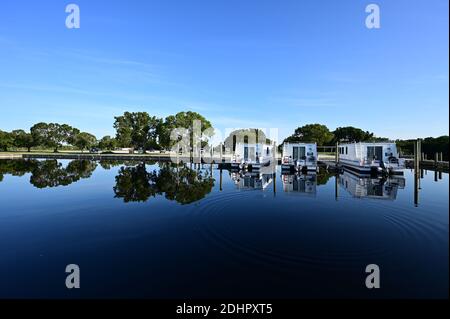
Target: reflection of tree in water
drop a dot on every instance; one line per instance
(134, 184)
(16, 167)
(323, 176)
(51, 173)
(48, 173)
(108, 164)
(181, 184)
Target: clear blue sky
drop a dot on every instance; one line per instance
(239, 63)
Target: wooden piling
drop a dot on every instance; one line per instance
(336, 157)
(416, 150)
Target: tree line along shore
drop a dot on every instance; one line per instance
(139, 130)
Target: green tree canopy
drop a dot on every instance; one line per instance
(107, 143)
(53, 134)
(136, 129)
(23, 139)
(249, 135)
(84, 140)
(311, 133)
(6, 140)
(350, 134)
(430, 146)
(180, 120)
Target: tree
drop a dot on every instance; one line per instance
(243, 135)
(311, 133)
(6, 140)
(53, 134)
(430, 146)
(136, 129)
(23, 139)
(107, 143)
(181, 120)
(350, 134)
(84, 140)
(377, 139)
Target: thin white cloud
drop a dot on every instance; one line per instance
(307, 102)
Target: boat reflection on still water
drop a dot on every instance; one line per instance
(161, 230)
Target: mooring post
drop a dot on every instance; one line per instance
(336, 154)
(441, 158)
(415, 155)
(436, 159)
(221, 149)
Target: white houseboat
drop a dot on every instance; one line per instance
(299, 157)
(252, 156)
(370, 158)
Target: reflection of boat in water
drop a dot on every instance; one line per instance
(371, 187)
(304, 184)
(251, 180)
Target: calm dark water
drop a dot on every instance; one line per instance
(158, 231)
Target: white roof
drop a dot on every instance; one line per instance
(300, 143)
(369, 143)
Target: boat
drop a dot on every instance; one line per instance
(371, 158)
(252, 156)
(299, 157)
